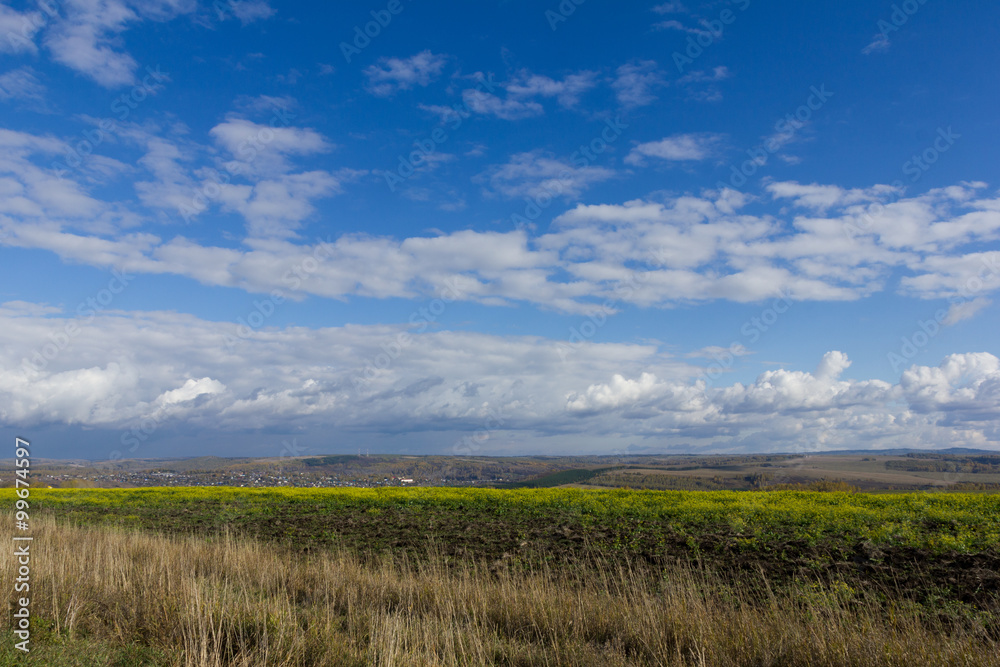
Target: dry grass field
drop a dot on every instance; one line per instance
(107, 596)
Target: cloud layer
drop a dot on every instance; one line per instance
(830, 243)
(177, 371)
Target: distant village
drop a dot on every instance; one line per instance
(146, 478)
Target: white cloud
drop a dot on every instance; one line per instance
(481, 102)
(390, 75)
(966, 310)
(242, 137)
(701, 84)
(262, 150)
(635, 82)
(33, 193)
(567, 91)
(277, 207)
(619, 392)
(670, 8)
(87, 37)
(677, 148)
(85, 41)
(267, 104)
(719, 352)
(674, 24)
(521, 92)
(536, 173)
(718, 73)
(966, 387)
(246, 11)
(22, 85)
(880, 44)
(18, 30)
(191, 390)
(822, 197)
(968, 276)
(832, 365)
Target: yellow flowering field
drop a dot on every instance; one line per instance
(933, 521)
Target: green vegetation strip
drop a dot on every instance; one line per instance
(939, 523)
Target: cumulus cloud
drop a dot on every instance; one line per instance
(390, 75)
(832, 365)
(488, 104)
(276, 207)
(634, 83)
(537, 173)
(87, 37)
(191, 390)
(966, 387)
(821, 197)
(245, 139)
(567, 91)
(677, 148)
(520, 95)
(620, 391)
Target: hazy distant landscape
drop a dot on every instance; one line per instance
(901, 470)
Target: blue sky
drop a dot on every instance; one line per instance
(254, 228)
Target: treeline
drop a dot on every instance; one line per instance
(965, 464)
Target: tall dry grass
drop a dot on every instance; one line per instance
(234, 601)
